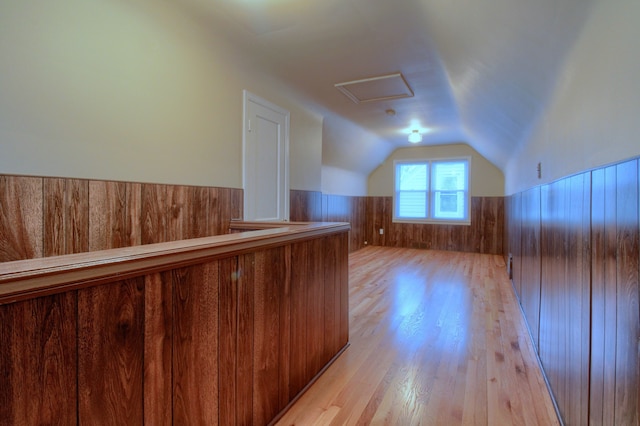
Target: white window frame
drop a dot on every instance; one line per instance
(429, 219)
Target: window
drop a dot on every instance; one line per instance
(432, 191)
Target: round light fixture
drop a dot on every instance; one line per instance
(415, 136)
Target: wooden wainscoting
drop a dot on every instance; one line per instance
(367, 215)
(313, 206)
(565, 295)
(222, 330)
(484, 235)
(529, 255)
(41, 216)
(305, 206)
(615, 277)
(578, 282)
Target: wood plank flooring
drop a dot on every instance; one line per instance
(437, 338)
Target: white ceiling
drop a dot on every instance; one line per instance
(481, 70)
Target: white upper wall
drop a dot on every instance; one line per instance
(133, 91)
(593, 118)
(147, 91)
(343, 182)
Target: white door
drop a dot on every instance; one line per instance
(266, 160)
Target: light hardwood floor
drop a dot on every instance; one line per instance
(437, 338)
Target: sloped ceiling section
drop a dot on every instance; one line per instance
(481, 70)
(503, 59)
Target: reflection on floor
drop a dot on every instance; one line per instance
(437, 338)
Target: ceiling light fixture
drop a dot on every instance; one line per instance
(415, 136)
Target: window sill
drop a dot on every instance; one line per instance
(433, 222)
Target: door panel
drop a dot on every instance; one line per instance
(266, 160)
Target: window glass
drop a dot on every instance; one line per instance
(449, 189)
(412, 190)
(432, 190)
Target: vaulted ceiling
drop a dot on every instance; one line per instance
(481, 71)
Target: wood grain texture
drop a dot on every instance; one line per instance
(107, 215)
(21, 222)
(110, 353)
(284, 375)
(207, 343)
(342, 273)
(38, 360)
(133, 214)
(221, 201)
(158, 349)
(307, 313)
(66, 216)
(515, 242)
(54, 243)
(227, 340)
(76, 216)
(530, 260)
(627, 308)
(314, 206)
(378, 216)
(299, 329)
(603, 295)
(154, 211)
(484, 235)
(270, 288)
(196, 343)
(237, 203)
(122, 214)
(332, 294)
(589, 310)
(187, 212)
(507, 226)
(305, 206)
(437, 338)
(245, 338)
(565, 293)
(348, 209)
(55, 216)
(358, 221)
(336, 294)
(311, 268)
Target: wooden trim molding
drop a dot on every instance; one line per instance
(26, 279)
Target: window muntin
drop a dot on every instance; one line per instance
(432, 190)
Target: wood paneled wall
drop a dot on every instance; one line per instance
(229, 340)
(484, 235)
(529, 267)
(578, 283)
(42, 216)
(564, 293)
(368, 215)
(310, 206)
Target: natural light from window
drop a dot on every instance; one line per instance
(432, 191)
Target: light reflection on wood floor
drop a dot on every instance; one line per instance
(436, 338)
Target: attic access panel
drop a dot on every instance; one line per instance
(384, 87)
